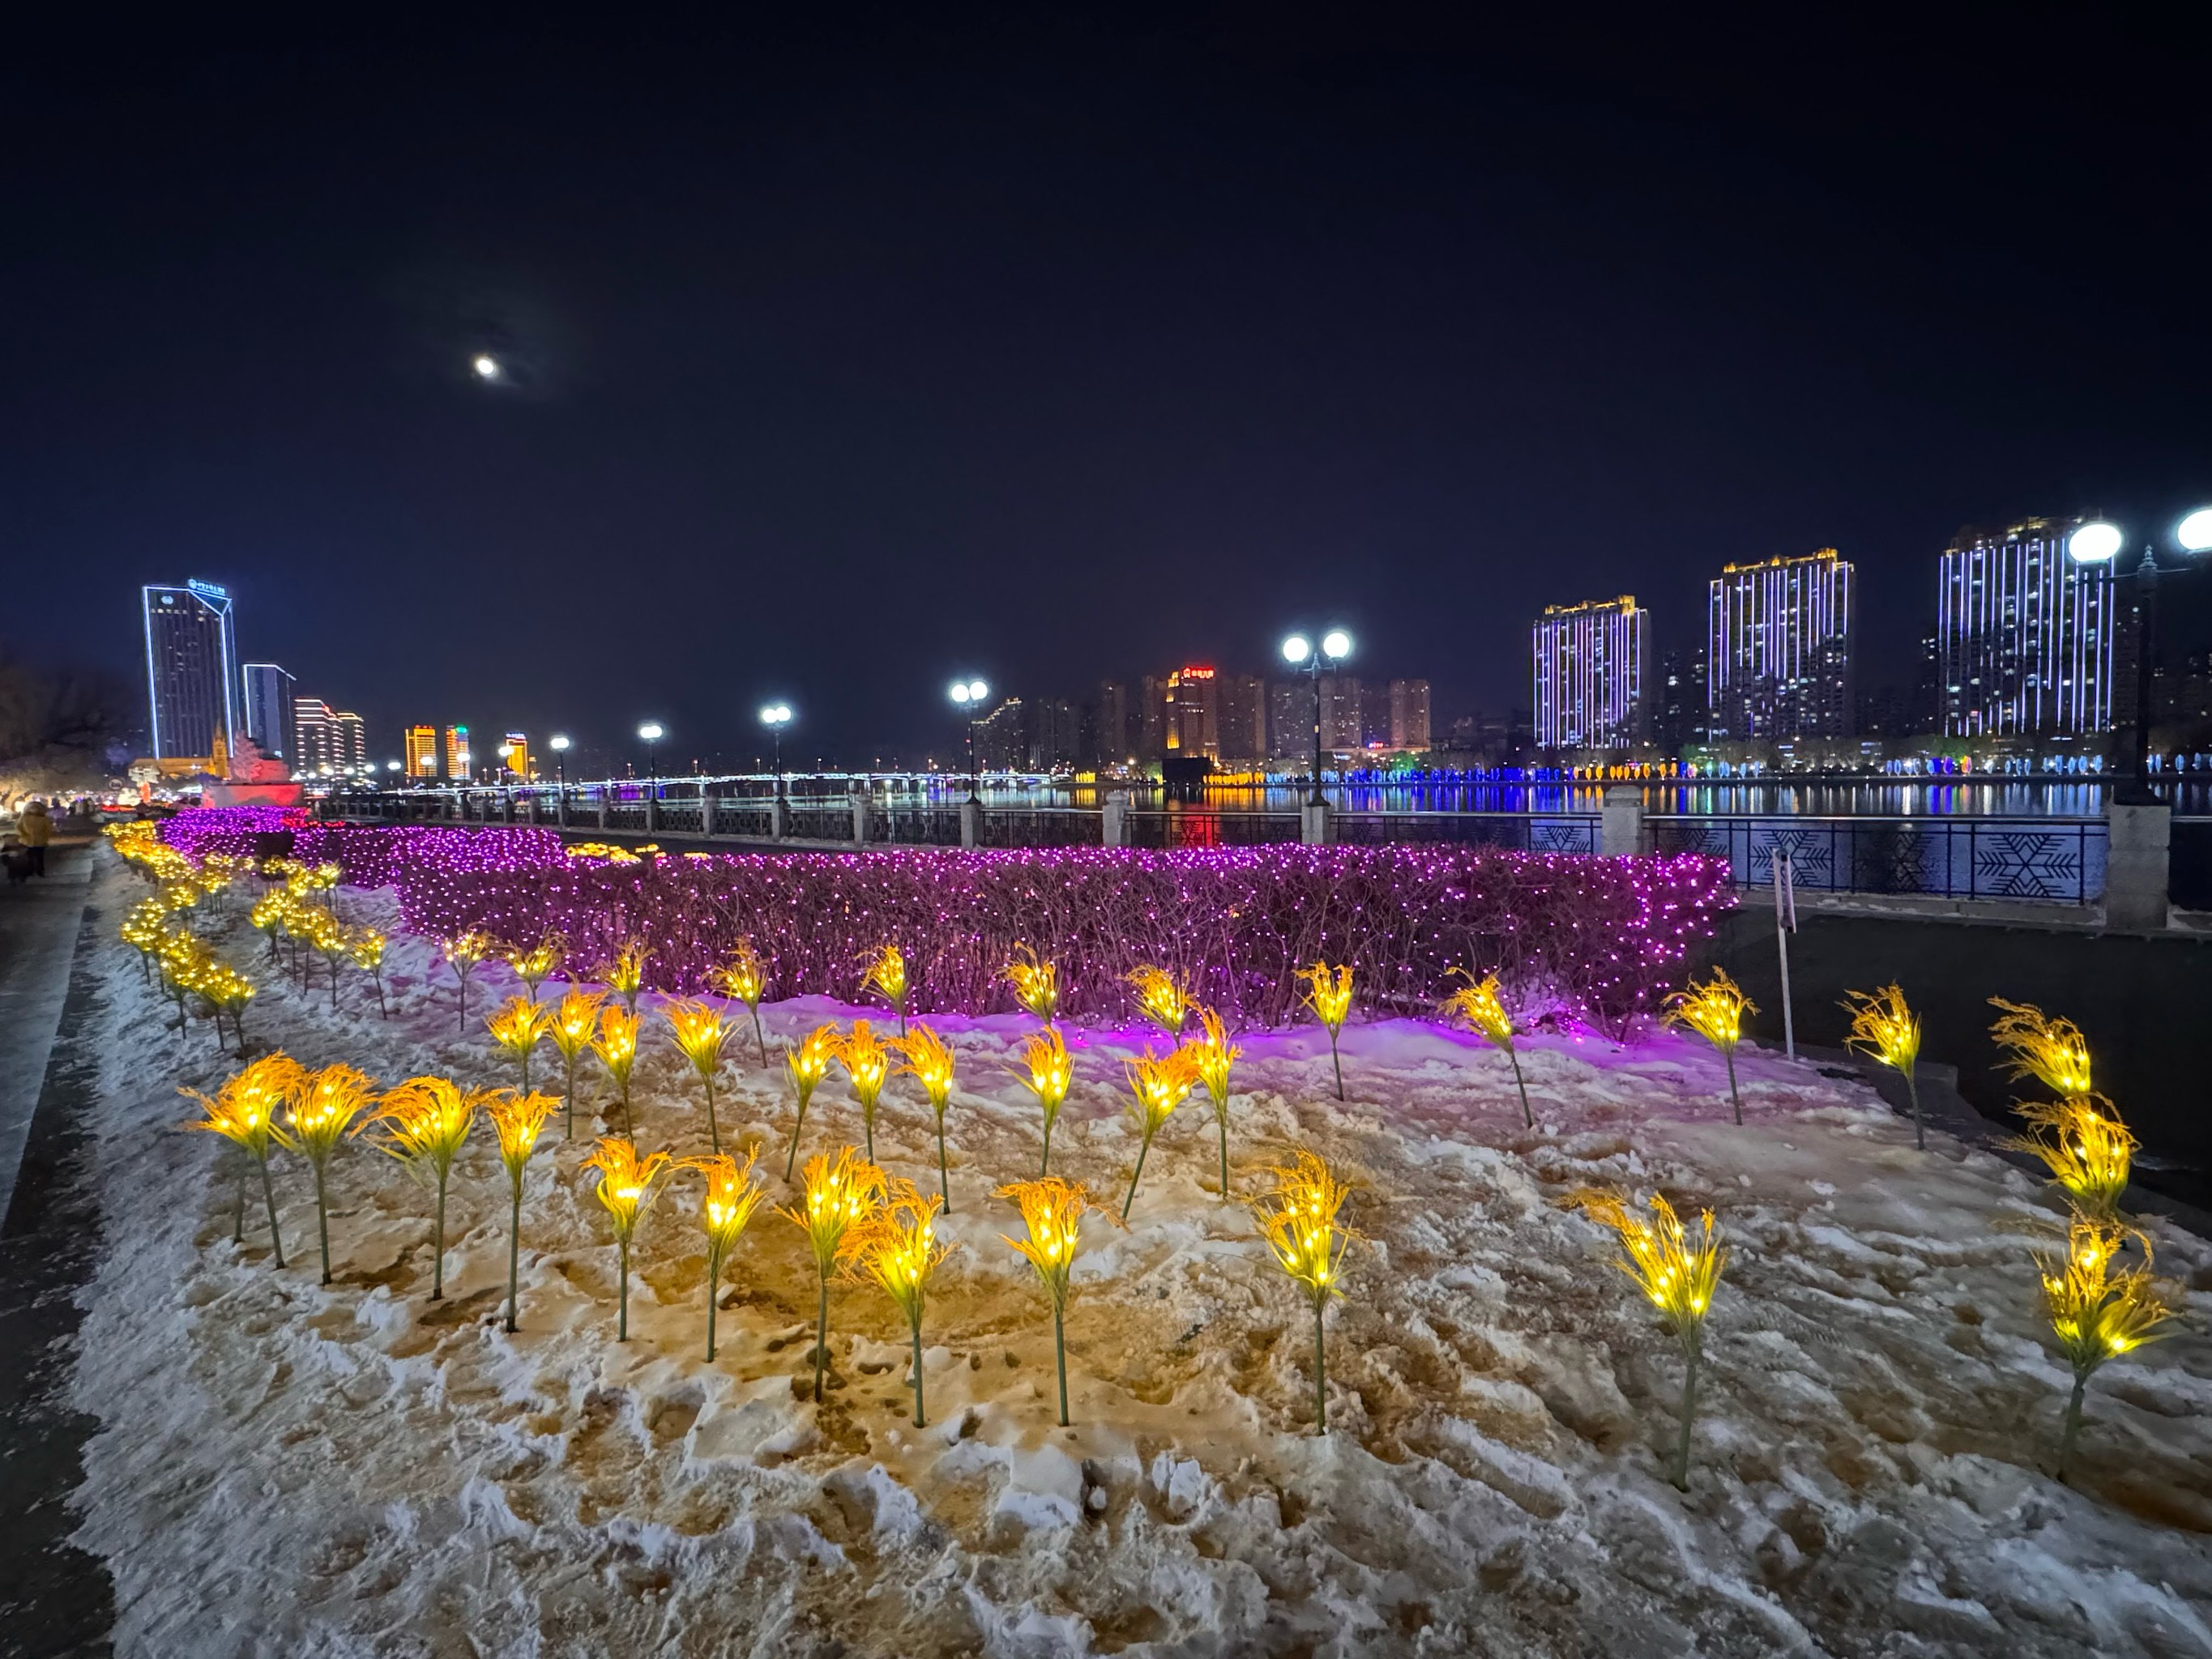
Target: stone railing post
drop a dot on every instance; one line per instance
(652, 807)
(971, 823)
(864, 815)
(2137, 895)
(1314, 829)
(1114, 819)
(779, 821)
(560, 804)
(1621, 830)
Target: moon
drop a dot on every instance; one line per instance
(486, 366)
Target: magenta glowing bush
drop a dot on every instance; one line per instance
(1595, 938)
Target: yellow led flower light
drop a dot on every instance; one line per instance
(1328, 993)
(929, 1061)
(724, 1208)
(425, 1121)
(1053, 1211)
(886, 976)
(1035, 982)
(1160, 998)
(465, 953)
(2088, 1149)
(2097, 1313)
(519, 1027)
(808, 1064)
(617, 1048)
(1160, 1083)
(244, 1113)
(1678, 1271)
(627, 1187)
(625, 974)
(573, 1030)
(537, 964)
(321, 1108)
(867, 1063)
(1049, 1073)
(700, 1034)
(517, 1119)
(744, 977)
(898, 1247)
(1478, 1002)
(1299, 1221)
(1884, 1027)
(1211, 1058)
(2052, 1051)
(1715, 1011)
(365, 946)
(839, 1197)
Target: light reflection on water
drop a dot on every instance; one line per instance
(1994, 797)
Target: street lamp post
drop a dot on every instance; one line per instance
(560, 760)
(968, 696)
(2098, 544)
(1300, 653)
(775, 716)
(652, 733)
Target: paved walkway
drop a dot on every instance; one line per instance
(38, 926)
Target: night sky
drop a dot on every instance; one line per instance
(845, 359)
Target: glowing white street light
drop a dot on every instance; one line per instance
(560, 745)
(2195, 531)
(775, 716)
(968, 696)
(652, 733)
(486, 366)
(2094, 542)
(1299, 652)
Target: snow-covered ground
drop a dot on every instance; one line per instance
(284, 1469)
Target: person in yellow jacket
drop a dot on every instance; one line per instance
(34, 828)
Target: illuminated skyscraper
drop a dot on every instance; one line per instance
(421, 745)
(517, 754)
(1409, 714)
(2023, 635)
(269, 715)
(1193, 713)
(332, 741)
(1242, 700)
(458, 761)
(191, 669)
(1590, 674)
(1780, 636)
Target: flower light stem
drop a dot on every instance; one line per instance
(1694, 1350)
(1045, 1167)
(1135, 1175)
(714, 1294)
(1913, 1088)
(569, 1101)
(269, 1194)
(821, 1335)
(920, 1420)
(2073, 1424)
(1336, 1061)
(1734, 1098)
(513, 1249)
(438, 1245)
(791, 1159)
(944, 1179)
(759, 1036)
(1320, 1372)
(713, 1133)
(1221, 1122)
(622, 1305)
(322, 1221)
(1528, 1117)
(1059, 1359)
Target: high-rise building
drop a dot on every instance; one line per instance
(1193, 714)
(419, 746)
(1779, 637)
(1117, 743)
(1150, 719)
(1374, 714)
(458, 763)
(1590, 674)
(1290, 720)
(1339, 714)
(1241, 701)
(268, 694)
(1054, 734)
(191, 669)
(332, 741)
(1002, 737)
(2024, 633)
(515, 751)
(1409, 714)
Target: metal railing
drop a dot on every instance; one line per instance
(2052, 859)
